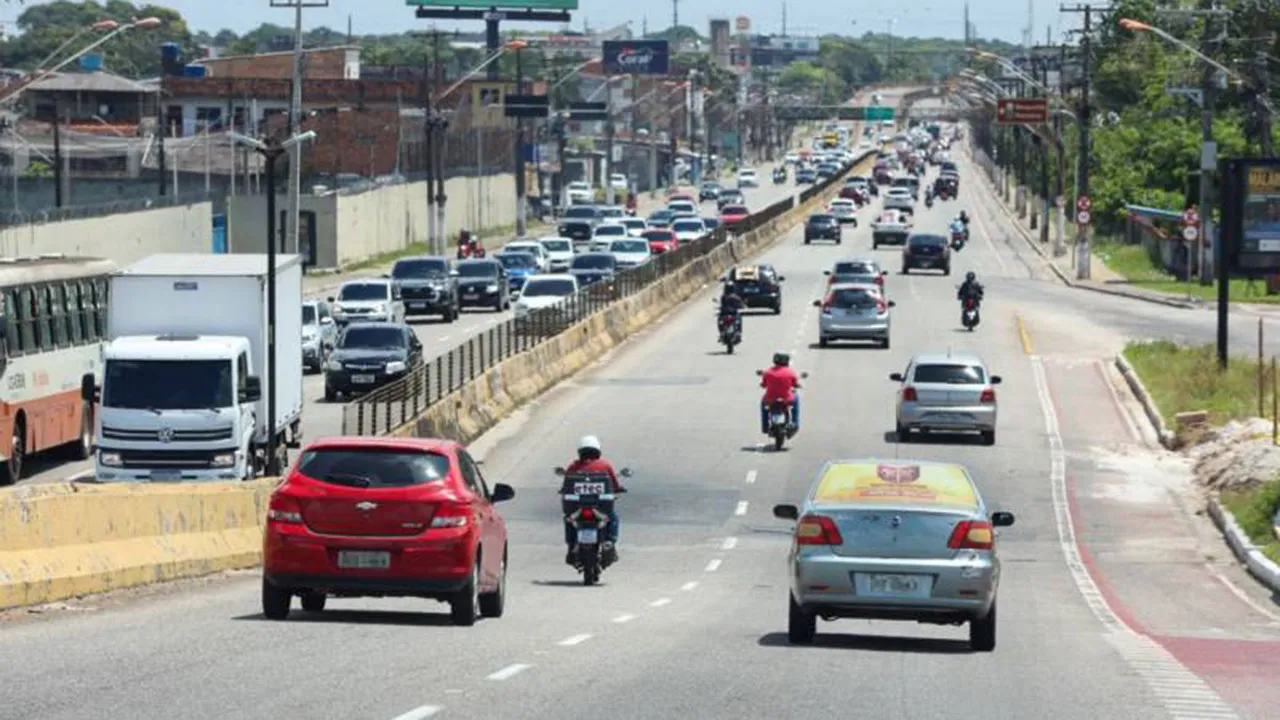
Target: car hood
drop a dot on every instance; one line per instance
(356, 355)
(631, 258)
(688, 235)
(360, 304)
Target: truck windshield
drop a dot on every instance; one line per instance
(167, 384)
(308, 314)
(419, 269)
(364, 291)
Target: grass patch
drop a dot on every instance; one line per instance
(1255, 510)
(1185, 379)
(1134, 264)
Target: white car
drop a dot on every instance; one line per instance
(689, 229)
(611, 213)
(532, 247)
(559, 251)
(374, 300)
(747, 177)
(791, 158)
(618, 181)
(610, 231)
(845, 210)
(866, 143)
(630, 252)
(544, 291)
(635, 226)
(681, 207)
(578, 192)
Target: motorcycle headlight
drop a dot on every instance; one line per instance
(110, 459)
(396, 367)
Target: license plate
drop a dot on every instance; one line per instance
(587, 536)
(362, 379)
(471, 296)
(588, 488)
(166, 475)
(892, 584)
(364, 560)
(779, 418)
(417, 306)
(951, 417)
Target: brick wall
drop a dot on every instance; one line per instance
(354, 142)
(321, 64)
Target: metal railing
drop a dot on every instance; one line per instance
(391, 406)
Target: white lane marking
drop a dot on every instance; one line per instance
(81, 475)
(713, 565)
(660, 602)
(1157, 666)
(729, 543)
(689, 586)
(742, 508)
(575, 640)
(751, 477)
(509, 672)
(1115, 398)
(1244, 597)
(625, 617)
(420, 713)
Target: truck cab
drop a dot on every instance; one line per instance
(177, 408)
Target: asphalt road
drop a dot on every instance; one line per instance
(1109, 606)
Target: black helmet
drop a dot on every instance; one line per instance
(970, 276)
(781, 359)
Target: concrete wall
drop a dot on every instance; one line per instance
(123, 237)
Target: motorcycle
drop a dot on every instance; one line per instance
(969, 315)
(586, 505)
(928, 200)
(958, 239)
(730, 333)
(780, 427)
(779, 178)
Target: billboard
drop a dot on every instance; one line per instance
(635, 57)
(1251, 215)
(499, 5)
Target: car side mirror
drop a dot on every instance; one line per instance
(502, 492)
(782, 278)
(786, 512)
(826, 272)
(896, 377)
(625, 472)
(892, 304)
(559, 471)
(1002, 519)
(804, 376)
(996, 379)
(89, 388)
(252, 391)
(884, 273)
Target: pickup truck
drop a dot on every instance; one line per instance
(891, 228)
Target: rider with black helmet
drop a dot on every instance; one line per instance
(780, 383)
(971, 288)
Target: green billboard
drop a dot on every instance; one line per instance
(498, 5)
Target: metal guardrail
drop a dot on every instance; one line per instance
(399, 402)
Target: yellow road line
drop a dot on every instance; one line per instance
(1023, 335)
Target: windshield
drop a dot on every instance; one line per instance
(688, 226)
(661, 215)
(950, 374)
(548, 287)
(480, 269)
(594, 262)
(852, 268)
(629, 246)
(308, 314)
(522, 249)
(372, 335)
(364, 291)
(612, 212)
(557, 245)
(419, 269)
(167, 384)
(373, 467)
(517, 261)
(849, 299)
(611, 230)
(580, 213)
(926, 240)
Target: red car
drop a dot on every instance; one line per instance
(731, 214)
(661, 241)
(386, 517)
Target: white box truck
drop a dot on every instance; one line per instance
(184, 382)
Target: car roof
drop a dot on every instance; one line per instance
(477, 261)
(384, 442)
(901, 483)
(950, 358)
(439, 258)
(863, 260)
(367, 281)
(554, 276)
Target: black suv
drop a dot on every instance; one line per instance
(821, 227)
(578, 222)
(757, 285)
(926, 251)
(426, 287)
(483, 283)
(368, 356)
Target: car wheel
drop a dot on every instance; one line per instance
(946, 270)
(982, 632)
(806, 241)
(82, 449)
(465, 605)
(275, 601)
(906, 270)
(448, 316)
(313, 602)
(903, 432)
(801, 626)
(330, 394)
(884, 343)
(493, 604)
(988, 437)
(875, 244)
(823, 342)
(777, 309)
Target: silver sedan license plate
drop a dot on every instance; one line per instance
(364, 560)
(896, 585)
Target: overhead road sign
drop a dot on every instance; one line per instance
(508, 10)
(635, 57)
(526, 106)
(1022, 111)
(833, 112)
(588, 111)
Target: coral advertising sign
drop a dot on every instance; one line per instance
(636, 57)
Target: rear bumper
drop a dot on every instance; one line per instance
(851, 331)
(946, 418)
(367, 586)
(960, 589)
(300, 560)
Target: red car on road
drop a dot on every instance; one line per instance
(733, 214)
(661, 241)
(386, 517)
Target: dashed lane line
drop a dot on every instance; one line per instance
(575, 640)
(660, 602)
(713, 565)
(421, 713)
(508, 672)
(751, 477)
(742, 508)
(689, 586)
(729, 543)
(624, 618)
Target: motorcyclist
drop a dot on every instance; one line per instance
(971, 289)
(591, 460)
(731, 304)
(964, 219)
(464, 244)
(780, 383)
(958, 228)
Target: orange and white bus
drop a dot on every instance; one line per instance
(51, 334)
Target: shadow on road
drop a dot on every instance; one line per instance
(873, 643)
(362, 617)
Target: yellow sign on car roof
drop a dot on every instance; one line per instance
(746, 272)
(891, 483)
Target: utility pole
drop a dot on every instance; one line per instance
(609, 131)
(428, 150)
(295, 116)
(1262, 79)
(1045, 155)
(675, 14)
(1209, 149)
(1083, 262)
(57, 160)
(438, 127)
(521, 201)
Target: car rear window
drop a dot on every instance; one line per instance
(852, 298)
(373, 467)
(735, 210)
(822, 219)
(851, 268)
(659, 235)
(922, 240)
(950, 374)
(864, 483)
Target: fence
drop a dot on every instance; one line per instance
(397, 403)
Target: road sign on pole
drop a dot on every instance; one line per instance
(1022, 111)
(1083, 204)
(1083, 218)
(1190, 233)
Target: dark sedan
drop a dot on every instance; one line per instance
(709, 191)
(426, 287)
(483, 283)
(368, 356)
(593, 267)
(821, 227)
(806, 176)
(926, 251)
(579, 231)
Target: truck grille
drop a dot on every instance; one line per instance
(170, 459)
(111, 433)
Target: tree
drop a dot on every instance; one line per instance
(133, 53)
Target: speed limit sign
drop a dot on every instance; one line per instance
(1083, 217)
(1190, 233)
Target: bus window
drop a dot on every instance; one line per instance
(27, 319)
(11, 322)
(58, 314)
(75, 321)
(100, 304)
(87, 313)
(44, 324)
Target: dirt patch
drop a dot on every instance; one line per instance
(1236, 456)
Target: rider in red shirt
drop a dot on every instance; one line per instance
(591, 460)
(780, 383)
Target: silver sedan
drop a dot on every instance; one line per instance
(921, 547)
(854, 311)
(951, 392)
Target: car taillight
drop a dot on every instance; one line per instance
(818, 530)
(879, 280)
(909, 394)
(972, 535)
(284, 509)
(881, 306)
(831, 280)
(587, 514)
(988, 396)
(451, 516)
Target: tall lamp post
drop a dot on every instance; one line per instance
(146, 23)
(272, 150)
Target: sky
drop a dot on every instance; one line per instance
(1004, 19)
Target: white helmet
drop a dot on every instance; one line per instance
(589, 442)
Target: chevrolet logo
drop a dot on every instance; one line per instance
(366, 506)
